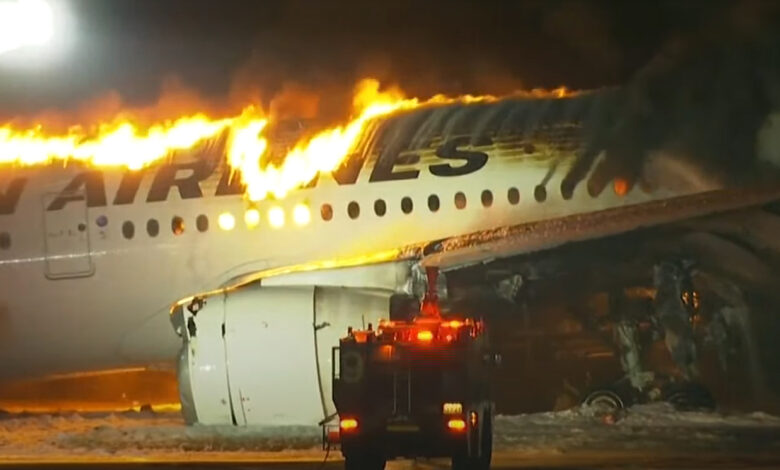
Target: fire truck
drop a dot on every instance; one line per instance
(415, 388)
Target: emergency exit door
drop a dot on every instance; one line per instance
(66, 237)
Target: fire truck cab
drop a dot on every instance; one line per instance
(417, 388)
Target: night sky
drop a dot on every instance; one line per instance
(224, 49)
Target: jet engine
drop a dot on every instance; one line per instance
(262, 354)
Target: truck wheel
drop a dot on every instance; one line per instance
(466, 462)
(364, 461)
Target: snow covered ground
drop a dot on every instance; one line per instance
(641, 428)
(144, 435)
(163, 436)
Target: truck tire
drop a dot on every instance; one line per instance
(364, 461)
(482, 462)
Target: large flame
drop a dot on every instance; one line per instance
(126, 144)
(122, 144)
(325, 151)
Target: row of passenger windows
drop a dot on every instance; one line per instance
(153, 226)
(407, 205)
(301, 215)
(276, 216)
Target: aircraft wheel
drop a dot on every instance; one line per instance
(689, 397)
(605, 399)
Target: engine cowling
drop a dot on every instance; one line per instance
(261, 355)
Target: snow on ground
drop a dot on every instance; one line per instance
(148, 435)
(642, 427)
(144, 435)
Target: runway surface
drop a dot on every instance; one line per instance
(507, 461)
(643, 437)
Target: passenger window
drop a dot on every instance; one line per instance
(433, 203)
(460, 200)
(251, 218)
(128, 230)
(177, 225)
(513, 196)
(326, 211)
(102, 221)
(380, 208)
(152, 228)
(353, 210)
(540, 193)
(5, 240)
(406, 205)
(276, 217)
(487, 198)
(202, 223)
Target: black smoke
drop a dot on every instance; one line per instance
(702, 102)
(436, 46)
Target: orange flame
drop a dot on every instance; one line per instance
(328, 149)
(125, 145)
(119, 145)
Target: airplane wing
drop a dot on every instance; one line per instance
(485, 246)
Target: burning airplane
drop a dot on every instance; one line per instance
(262, 253)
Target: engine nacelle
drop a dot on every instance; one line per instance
(261, 355)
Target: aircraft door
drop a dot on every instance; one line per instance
(66, 237)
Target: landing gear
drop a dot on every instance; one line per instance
(605, 400)
(671, 317)
(688, 396)
(683, 396)
(617, 396)
(675, 305)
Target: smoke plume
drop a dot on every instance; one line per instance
(702, 108)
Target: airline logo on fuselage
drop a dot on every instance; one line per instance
(187, 177)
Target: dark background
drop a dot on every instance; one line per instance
(232, 50)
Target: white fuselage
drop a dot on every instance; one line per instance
(93, 299)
